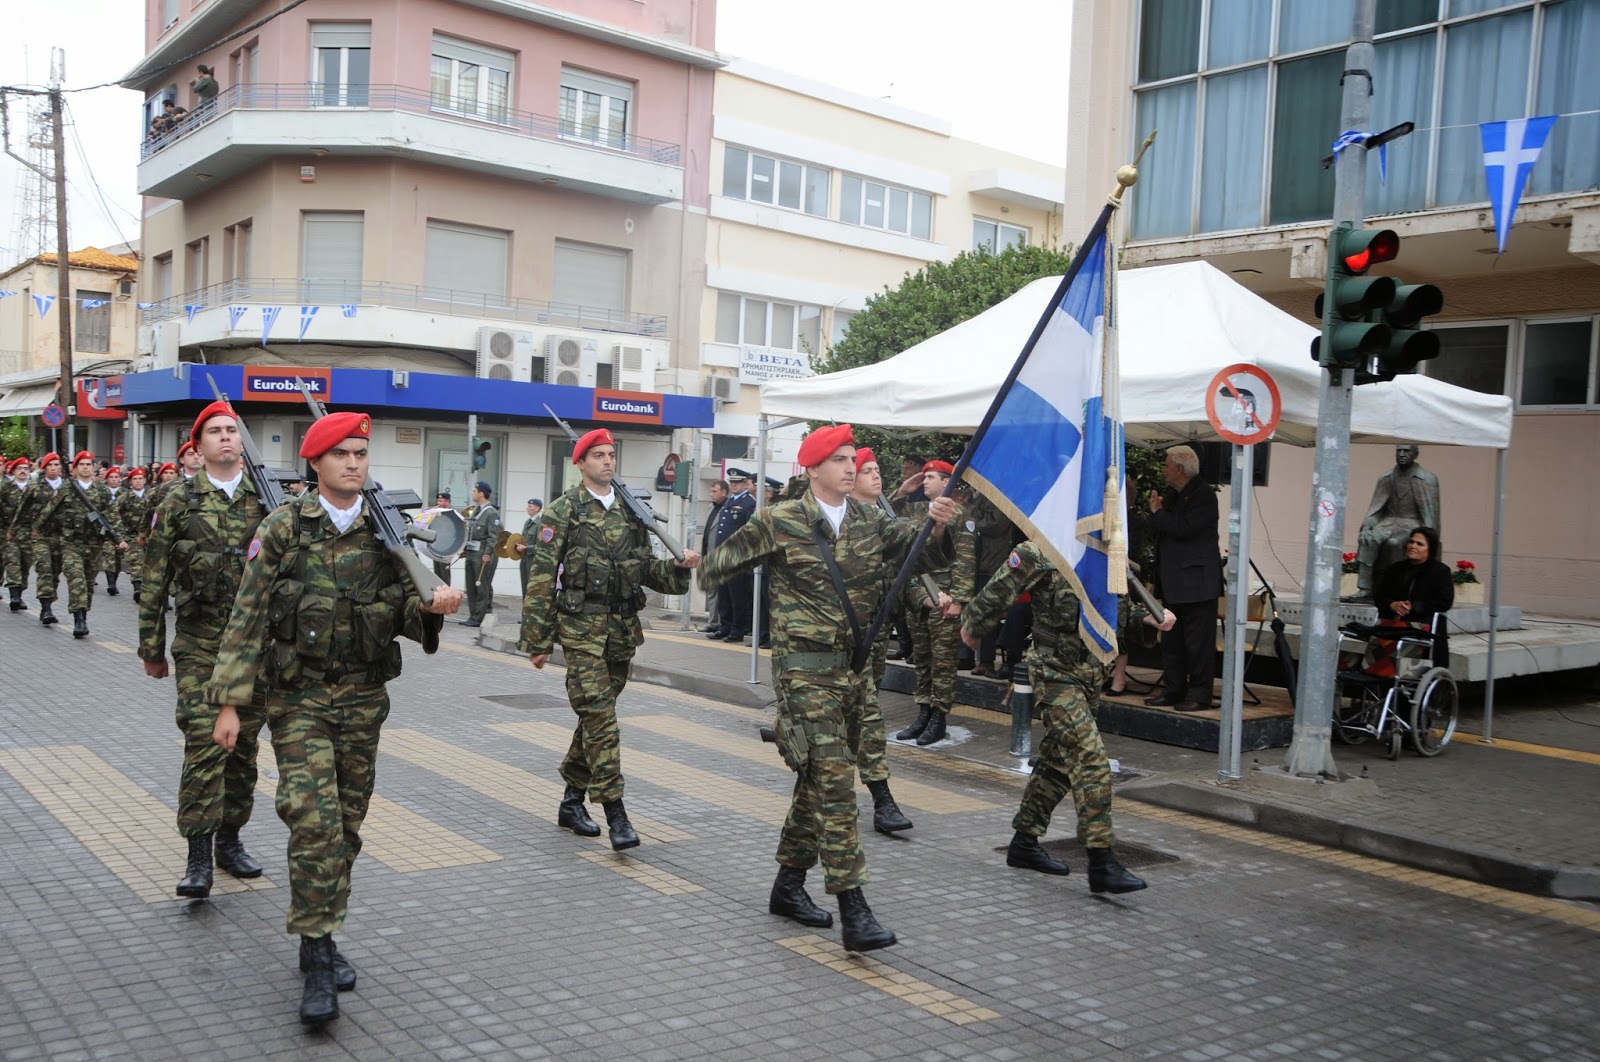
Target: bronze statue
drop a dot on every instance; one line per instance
(1406, 497)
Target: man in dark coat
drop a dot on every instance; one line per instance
(734, 600)
(1184, 521)
(715, 620)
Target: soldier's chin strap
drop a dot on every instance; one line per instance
(858, 650)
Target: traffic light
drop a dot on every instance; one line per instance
(480, 454)
(1349, 299)
(1408, 342)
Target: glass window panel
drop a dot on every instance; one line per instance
(872, 205)
(1485, 80)
(1567, 85)
(735, 170)
(1166, 178)
(921, 216)
(439, 84)
(589, 120)
(1230, 166)
(1304, 125)
(1473, 7)
(1555, 364)
(755, 323)
(850, 200)
(841, 325)
(1403, 14)
(817, 191)
(761, 169)
(1306, 24)
(499, 97)
(467, 87)
(1241, 30)
(1474, 358)
(811, 329)
(359, 76)
(789, 185)
(983, 235)
(782, 326)
(569, 108)
(1169, 39)
(899, 209)
(1012, 236)
(727, 317)
(617, 122)
(329, 70)
(1405, 69)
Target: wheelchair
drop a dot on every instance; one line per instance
(1416, 701)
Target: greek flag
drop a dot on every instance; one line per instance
(43, 302)
(269, 317)
(348, 308)
(1052, 455)
(1510, 149)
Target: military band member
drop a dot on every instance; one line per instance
(133, 516)
(17, 547)
(442, 568)
(313, 627)
(71, 509)
(821, 696)
(591, 565)
(483, 530)
(42, 536)
(530, 532)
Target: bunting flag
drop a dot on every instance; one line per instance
(307, 315)
(234, 313)
(93, 304)
(349, 308)
(43, 302)
(1352, 138)
(1510, 149)
(6, 294)
(269, 317)
(191, 309)
(148, 305)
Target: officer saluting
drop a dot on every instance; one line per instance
(483, 530)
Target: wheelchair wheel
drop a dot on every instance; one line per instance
(1434, 712)
(1350, 715)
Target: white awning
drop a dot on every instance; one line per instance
(27, 401)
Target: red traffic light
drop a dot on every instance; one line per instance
(1368, 249)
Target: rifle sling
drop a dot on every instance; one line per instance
(844, 595)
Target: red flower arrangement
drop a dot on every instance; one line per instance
(1466, 572)
(1350, 567)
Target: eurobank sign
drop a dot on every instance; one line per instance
(628, 407)
(281, 384)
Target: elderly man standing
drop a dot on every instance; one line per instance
(1406, 497)
(1184, 520)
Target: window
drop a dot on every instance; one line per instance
(1557, 363)
(996, 236)
(1472, 356)
(595, 108)
(761, 179)
(161, 275)
(236, 241)
(591, 279)
(91, 325)
(881, 206)
(197, 264)
(746, 321)
(463, 259)
(471, 79)
(331, 253)
(341, 63)
(169, 12)
(841, 325)
(246, 64)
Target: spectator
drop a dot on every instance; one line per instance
(205, 86)
(1184, 521)
(715, 627)
(738, 590)
(1417, 588)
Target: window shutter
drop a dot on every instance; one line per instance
(332, 254)
(591, 277)
(465, 259)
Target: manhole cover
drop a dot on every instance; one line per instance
(1132, 856)
(524, 701)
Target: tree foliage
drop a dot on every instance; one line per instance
(16, 437)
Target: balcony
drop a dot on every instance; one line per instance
(248, 124)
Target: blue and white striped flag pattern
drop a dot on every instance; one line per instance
(348, 308)
(307, 315)
(43, 302)
(1052, 446)
(269, 317)
(234, 313)
(1510, 149)
(6, 294)
(193, 308)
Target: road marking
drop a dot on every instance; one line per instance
(115, 647)
(708, 643)
(1552, 751)
(129, 831)
(511, 786)
(642, 873)
(902, 986)
(912, 794)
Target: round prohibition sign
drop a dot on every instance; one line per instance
(53, 416)
(1243, 404)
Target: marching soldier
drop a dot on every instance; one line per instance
(483, 530)
(188, 464)
(602, 554)
(934, 623)
(111, 557)
(164, 475)
(71, 510)
(313, 627)
(1066, 684)
(195, 549)
(826, 553)
(18, 547)
(45, 535)
(133, 516)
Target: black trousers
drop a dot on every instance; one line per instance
(1189, 651)
(734, 599)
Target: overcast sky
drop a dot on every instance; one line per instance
(1000, 82)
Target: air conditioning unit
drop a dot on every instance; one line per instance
(723, 388)
(571, 361)
(504, 354)
(636, 367)
(159, 342)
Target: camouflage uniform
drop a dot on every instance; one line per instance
(17, 545)
(133, 517)
(313, 627)
(934, 638)
(483, 530)
(1066, 685)
(593, 611)
(195, 549)
(43, 538)
(80, 541)
(821, 701)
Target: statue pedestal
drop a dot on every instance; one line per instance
(1349, 584)
(1469, 594)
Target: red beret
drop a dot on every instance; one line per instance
(47, 458)
(218, 408)
(598, 437)
(939, 466)
(82, 455)
(334, 429)
(168, 467)
(821, 443)
(188, 444)
(138, 470)
(864, 455)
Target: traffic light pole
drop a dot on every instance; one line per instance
(1310, 752)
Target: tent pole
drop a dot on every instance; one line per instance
(1494, 589)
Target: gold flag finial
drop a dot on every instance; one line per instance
(1128, 176)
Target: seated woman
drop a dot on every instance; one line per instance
(1416, 588)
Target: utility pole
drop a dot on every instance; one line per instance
(64, 301)
(1310, 752)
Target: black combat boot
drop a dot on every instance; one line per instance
(319, 1003)
(860, 930)
(196, 884)
(136, 596)
(111, 584)
(574, 816)
(232, 857)
(1028, 853)
(344, 975)
(918, 725)
(46, 616)
(622, 835)
(1108, 875)
(934, 731)
(80, 623)
(16, 599)
(886, 815)
(790, 900)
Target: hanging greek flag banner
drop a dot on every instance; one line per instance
(349, 308)
(147, 305)
(93, 304)
(6, 294)
(191, 309)
(1510, 149)
(307, 315)
(269, 317)
(234, 313)
(43, 302)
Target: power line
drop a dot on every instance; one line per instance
(94, 182)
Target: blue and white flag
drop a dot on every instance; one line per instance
(234, 313)
(193, 308)
(307, 315)
(43, 302)
(93, 304)
(6, 294)
(269, 317)
(148, 305)
(1509, 151)
(348, 308)
(1052, 456)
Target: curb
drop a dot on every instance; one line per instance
(1560, 881)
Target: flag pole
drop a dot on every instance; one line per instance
(1127, 176)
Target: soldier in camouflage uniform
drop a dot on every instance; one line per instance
(189, 462)
(821, 692)
(591, 566)
(194, 548)
(934, 623)
(72, 511)
(313, 627)
(483, 531)
(17, 556)
(111, 557)
(1066, 681)
(133, 517)
(43, 536)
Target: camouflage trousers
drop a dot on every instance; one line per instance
(480, 597)
(111, 558)
(80, 564)
(933, 650)
(820, 725)
(872, 759)
(133, 560)
(18, 559)
(47, 561)
(326, 744)
(1071, 758)
(594, 759)
(217, 788)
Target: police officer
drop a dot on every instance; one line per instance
(18, 547)
(43, 536)
(530, 530)
(441, 568)
(133, 516)
(734, 597)
(1066, 681)
(821, 695)
(70, 510)
(483, 531)
(313, 627)
(195, 549)
(602, 554)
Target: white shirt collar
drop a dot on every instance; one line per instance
(608, 500)
(834, 513)
(342, 518)
(231, 485)
(55, 484)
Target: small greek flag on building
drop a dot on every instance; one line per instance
(1510, 149)
(307, 315)
(234, 313)
(348, 309)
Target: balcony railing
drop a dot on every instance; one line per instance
(329, 97)
(334, 296)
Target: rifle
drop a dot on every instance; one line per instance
(637, 506)
(95, 517)
(393, 529)
(929, 587)
(1142, 592)
(266, 482)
